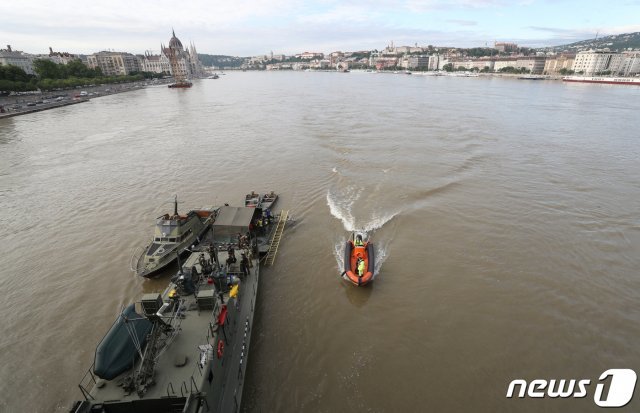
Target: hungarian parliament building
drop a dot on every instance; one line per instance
(120, 63)
(187, 60)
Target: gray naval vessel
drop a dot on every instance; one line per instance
(186, 349)
(172, 236)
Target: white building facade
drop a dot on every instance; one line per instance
(591, 62)
(17, 58)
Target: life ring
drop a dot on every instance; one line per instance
(160, 250)
(220, 350)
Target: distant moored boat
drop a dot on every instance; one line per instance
(606, 80)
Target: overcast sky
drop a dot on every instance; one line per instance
(253, 27)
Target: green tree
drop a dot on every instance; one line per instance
(78, 69)
(7, 85)
(46, 69)
(448, 67)
(13, 73)
(45, 84)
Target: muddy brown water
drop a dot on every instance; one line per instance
(505, 215)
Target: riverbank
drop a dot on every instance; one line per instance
(32, 109)
(16, 105)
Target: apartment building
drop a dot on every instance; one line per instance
(553, 65)
(114, 63)
(591, 62)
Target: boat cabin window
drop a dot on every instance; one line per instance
(172, 240)
(157, 239)
(167, 227)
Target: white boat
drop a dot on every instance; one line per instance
(602, 79)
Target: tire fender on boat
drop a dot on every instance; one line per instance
(347, 256)
(372, 262)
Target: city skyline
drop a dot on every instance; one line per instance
(255, 27)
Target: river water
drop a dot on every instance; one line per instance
(505, 214)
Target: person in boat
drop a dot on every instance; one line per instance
(244, 264)
(358, 242)
(243, 241)
(360, 267)
(231, 255)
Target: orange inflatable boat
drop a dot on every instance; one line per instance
(359, 260)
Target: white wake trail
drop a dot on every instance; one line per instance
(341, 207)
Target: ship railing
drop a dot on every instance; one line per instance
(185, 390)
(86, 384)
(135, 258)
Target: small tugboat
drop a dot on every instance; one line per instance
(173, 235)
(359, 260)
(268, 200)
(252, 200)
(182, 84)
(186, 349)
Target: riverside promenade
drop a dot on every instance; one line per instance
(23, 104)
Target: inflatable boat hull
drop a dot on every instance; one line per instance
(351, 255)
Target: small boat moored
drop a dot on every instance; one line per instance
(359, 260)
(180, 85)
(268, 200)
(252, 200)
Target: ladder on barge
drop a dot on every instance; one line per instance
(275, 240)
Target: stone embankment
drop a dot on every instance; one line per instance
(23, 104)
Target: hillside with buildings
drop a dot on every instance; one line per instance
(615, 43)
(220, 61)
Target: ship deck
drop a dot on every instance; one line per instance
(221, 379)
(190, 372)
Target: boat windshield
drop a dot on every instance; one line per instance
(166, 227)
